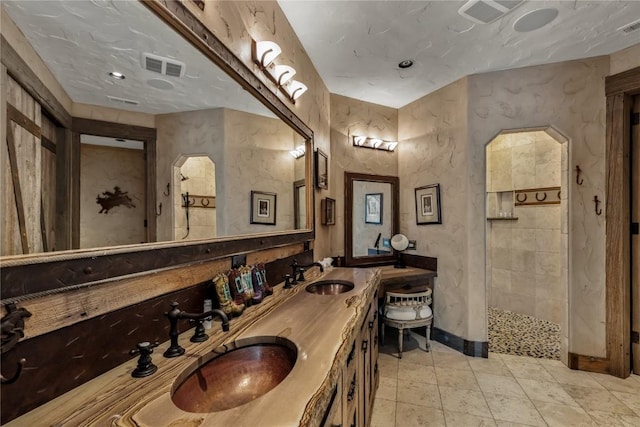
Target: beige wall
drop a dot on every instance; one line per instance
(257, 159)
(365, 234)
(102, 169)
(433, 149)
(451, 127)
(200, 174)
(352, 117)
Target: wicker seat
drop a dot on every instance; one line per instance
(407, 311)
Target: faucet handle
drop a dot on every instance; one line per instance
(145, 365)
(199, 333)
(288, 281)
(301, 275)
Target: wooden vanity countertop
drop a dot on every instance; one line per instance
(321, 327)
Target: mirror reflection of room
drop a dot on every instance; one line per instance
(158, 83)
(372, 218)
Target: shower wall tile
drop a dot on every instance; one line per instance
(548, 241)
(526, 217)
(524, 239)
(523, 283)
(501, 170)
(523, 261)
(548, 263)
(547, 174)
(501, 258)
(548, 217)
(524, 166)
(501, 279)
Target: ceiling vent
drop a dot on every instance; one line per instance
(160, 65)
(487, 11)
(122, 100)
(630, 27)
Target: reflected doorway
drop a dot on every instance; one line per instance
(526, 244)
(112, 191)
(194, 201)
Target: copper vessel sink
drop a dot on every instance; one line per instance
(234, 374)
(329, 287)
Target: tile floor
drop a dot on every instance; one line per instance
(447, 388)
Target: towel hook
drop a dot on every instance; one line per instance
(578, 172)
(168, 192)
(159, 211)
(597, 202)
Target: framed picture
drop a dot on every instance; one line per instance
(373, 208)
(263, 208)
(428, 205)
(322, 169)
(328, 214)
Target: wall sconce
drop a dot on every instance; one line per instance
(298, 152)
(264, 53)
(376, 143)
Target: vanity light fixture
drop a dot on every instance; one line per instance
(377, 143)
(264, 54)
(298, 152)
(294, 89)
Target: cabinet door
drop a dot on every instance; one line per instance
(364, 368)
(350, 387)
(373, 354)
(333, 416)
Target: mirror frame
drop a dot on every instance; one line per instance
(33, 275)
(349, 179)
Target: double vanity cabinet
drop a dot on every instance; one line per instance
(307, 356)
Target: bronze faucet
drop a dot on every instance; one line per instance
(301, 269)
(175, 314)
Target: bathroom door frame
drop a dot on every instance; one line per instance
(619, 90)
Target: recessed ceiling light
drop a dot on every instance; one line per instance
(117, 75)
(405, 64)
(535, 19)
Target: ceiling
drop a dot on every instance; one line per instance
(83, 41)
(356, 46)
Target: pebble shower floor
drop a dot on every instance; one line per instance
(522, 335)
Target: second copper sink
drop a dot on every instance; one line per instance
(234, 375)
(330, 287)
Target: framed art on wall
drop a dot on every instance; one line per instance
(263, 208)
(428, 205)
(328, 211)
(322, 169)
(373, 208)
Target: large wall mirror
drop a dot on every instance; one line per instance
(219, 136)
(371, 218)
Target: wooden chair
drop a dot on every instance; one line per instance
(407, 311)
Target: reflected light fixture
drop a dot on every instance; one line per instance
(295, 89)
(116, 75)
(376, 143)
(264, 54)
(298, 152)
(283, 73)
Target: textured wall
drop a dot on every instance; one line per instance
(103, 168)
(438, 140)
(257, 159)
(199, 133)
(433, 149)
(352, 117)
(569, 96)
